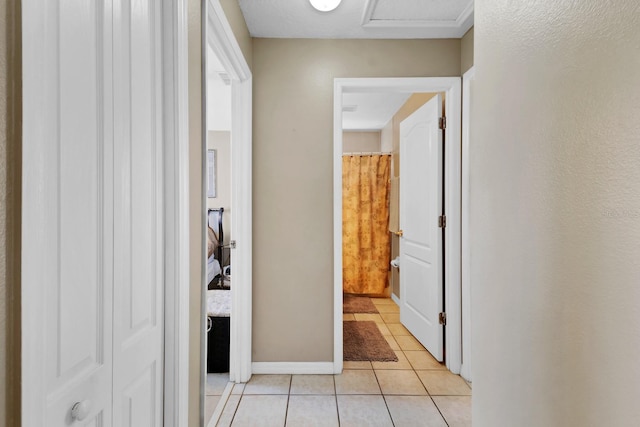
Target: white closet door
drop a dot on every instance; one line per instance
(138, 238)
(67, 213)
(92, 290)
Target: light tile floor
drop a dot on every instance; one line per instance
(414, 391)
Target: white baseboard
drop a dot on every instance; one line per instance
(395, 299)
(292, 368)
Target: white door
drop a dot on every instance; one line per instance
(91, 291)
(138, 237)
(421, 278)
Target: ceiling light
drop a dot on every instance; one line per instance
(325, 5)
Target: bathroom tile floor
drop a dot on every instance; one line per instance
(414, 391)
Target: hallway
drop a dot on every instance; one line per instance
(415, 390)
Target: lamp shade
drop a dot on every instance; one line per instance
(325, 5)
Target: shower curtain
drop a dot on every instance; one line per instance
(365, 223)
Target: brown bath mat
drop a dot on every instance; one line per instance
(354, 304)
(363, 341)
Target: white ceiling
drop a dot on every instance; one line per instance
(374, 110)
(371, 19)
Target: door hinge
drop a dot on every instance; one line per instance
(442, 318)
(442, 221)
(232, 244)
(442, 124)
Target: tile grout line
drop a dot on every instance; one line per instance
(286, 411)
(423, 385)
(235, 411)
(335, 395)
(384, 398)
(438, 408)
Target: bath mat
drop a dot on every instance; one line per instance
(354, 304)
(362, 341)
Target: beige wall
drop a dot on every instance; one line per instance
(359, 142)
(10, 212)
(221, 142)
(293, 181)
(555, 214)
(239, 27)
(466, 47)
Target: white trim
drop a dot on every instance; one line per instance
(452, 87)
(338, 89)
(34, 203)
(241, 230)
(176, 119)
(458, 27)
(204, 216)
(465, 369)
(452, 156)
(298, 368)
(369, 8)
(395, 299)
(222, 41)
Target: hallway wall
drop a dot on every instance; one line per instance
(555, 214)
(466, 51)
(293, 181)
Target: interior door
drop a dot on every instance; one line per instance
(421, 278)
(91, 299)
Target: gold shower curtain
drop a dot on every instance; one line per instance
(365, 223)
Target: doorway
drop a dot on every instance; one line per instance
(452, 158)
(226, 129)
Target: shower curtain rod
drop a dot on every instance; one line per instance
(367, 153)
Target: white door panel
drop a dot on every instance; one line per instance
(138, 233)
(421, 293)
(72, 256)
(92, 208)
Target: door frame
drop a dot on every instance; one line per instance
(176, 118)
(465, 369)
(217, 34)
(177, 255)
(451, 86)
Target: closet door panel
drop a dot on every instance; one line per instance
(68, 239)
(139, 283)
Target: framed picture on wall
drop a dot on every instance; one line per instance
(211, 173)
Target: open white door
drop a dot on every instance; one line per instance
(92, 214)
(421, 172)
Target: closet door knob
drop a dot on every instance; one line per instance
(80, 410)
(398, 233)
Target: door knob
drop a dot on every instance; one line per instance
(80, 410)
(398, 233)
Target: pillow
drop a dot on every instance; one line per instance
(212, 242)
